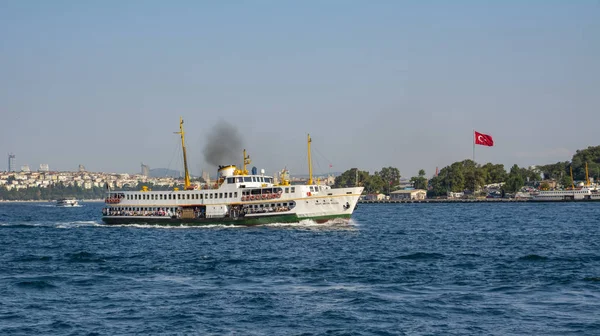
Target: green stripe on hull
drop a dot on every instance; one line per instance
(221, 221)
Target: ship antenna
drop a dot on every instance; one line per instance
(186, 182)
(310, 175)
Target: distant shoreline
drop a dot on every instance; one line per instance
(484, 200)
(50, 201)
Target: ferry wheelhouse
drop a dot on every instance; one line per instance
(238, 197)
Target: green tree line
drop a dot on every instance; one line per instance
(59, 190)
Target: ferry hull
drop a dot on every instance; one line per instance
(166, 221)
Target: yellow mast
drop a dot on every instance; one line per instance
(587, 177)
(187, 174)
(310, 175)
(246, 162)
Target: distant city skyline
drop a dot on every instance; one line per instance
(376, 84)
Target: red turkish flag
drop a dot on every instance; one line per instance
(483, 139)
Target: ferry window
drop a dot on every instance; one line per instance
(239, 179)
(311, 188)
(178, 196)
(293, 189)
(201, 196)
(287, 190)
(284, 204)
(262, 179)
(235, 194)
(230, 180)
(230, 195)
(211, 195)
(247, 179)
(188, 196)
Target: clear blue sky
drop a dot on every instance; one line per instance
(376, 83)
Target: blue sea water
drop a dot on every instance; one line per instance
(396, 269)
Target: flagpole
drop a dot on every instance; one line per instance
(474, 183)
(473, 145)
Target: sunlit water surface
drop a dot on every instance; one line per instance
(396, 269)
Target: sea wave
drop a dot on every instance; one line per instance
(421, 256)
(31, 257)
(36, 284)
(533, 257)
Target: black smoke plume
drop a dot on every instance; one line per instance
(223, 145)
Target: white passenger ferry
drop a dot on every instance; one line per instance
(238, 198)
(587, 192)
(581, 194)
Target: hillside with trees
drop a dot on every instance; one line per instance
(59, 191)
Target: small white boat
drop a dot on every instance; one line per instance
(67, 202)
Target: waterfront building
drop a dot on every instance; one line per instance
(11, 163)
(411, 194)
(145, 170)
(206, 177)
